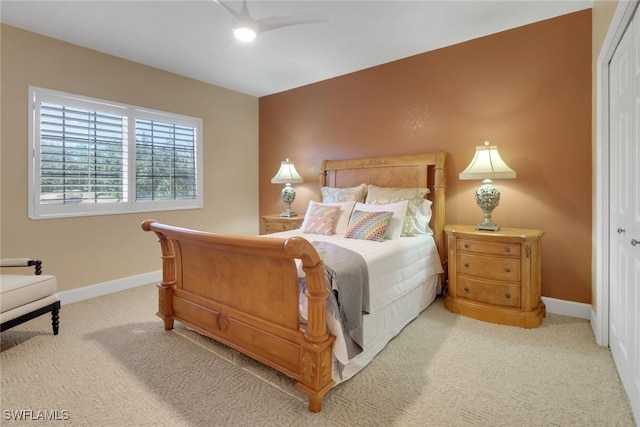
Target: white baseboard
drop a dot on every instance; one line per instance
(600, 332)
(99, 289)
(553, 305)
(567, 308)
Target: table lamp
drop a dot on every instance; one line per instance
(487, 165)
(287, 175)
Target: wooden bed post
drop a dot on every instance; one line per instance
(315, 355)
(439, 185)
(165, 288)
(323, 174)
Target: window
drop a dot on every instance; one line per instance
(94, 157)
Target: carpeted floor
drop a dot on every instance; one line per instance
(113, 365)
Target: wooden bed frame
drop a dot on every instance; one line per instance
(243, 290)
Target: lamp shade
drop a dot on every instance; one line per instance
(287, 174)
(487, 164)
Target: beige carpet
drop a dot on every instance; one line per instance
(113, 365)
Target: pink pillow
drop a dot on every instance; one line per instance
(321, 220)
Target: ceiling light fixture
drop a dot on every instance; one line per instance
(246, 27)
(244, 33)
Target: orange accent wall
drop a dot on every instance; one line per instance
(527, 90)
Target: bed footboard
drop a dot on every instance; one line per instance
(243, 292)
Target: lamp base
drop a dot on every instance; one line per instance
(288, 195)
(487, 198)
(491, 226)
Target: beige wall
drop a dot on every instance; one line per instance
(602, 14)
(89, 250)
(308, 126)
(528, 90)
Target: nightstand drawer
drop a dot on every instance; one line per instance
(489, 248)
(276, 223)
(276, 227)
(485, 267)
(490, 293)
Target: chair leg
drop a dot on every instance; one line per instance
(53, 308)
(55, 317)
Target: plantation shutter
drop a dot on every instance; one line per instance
(82, 158)
(98, 157)
(165, 161)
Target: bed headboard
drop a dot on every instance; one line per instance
(418, 170)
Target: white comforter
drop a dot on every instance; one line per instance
(396, 267)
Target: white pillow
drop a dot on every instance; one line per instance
(423, 218)
(392, 194)
(341, 222)
(399, 211)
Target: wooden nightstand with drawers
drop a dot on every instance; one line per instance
(275, 223)
(495, 275)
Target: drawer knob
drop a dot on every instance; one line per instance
(466, 265)
(466, 289)
(466, 246)
(507, 249)
(508, 296)
(508, 270)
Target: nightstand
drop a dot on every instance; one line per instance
(275, 223)
(495, 275)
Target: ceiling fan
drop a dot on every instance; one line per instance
(245, 27)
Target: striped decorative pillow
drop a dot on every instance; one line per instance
(321, 220)
(368, 225)
(341, 221)
(395, 225)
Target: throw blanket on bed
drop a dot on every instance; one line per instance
(348, 280)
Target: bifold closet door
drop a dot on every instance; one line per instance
(624, 244)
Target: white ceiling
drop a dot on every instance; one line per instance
(194, 39)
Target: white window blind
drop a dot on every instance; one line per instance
(93, 157)
(165, 161)
(82, 156)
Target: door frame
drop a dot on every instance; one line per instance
(601, 230)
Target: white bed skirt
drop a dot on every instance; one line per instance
(382, 325)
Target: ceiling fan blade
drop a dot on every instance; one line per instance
(237, 15)
(288, 19)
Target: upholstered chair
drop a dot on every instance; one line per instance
(26, 296)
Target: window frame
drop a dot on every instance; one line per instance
(130, 113)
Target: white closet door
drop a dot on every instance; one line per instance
(624, 262)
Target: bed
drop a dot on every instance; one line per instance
(244, 291)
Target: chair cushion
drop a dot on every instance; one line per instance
(20, 289)
(28, 308)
